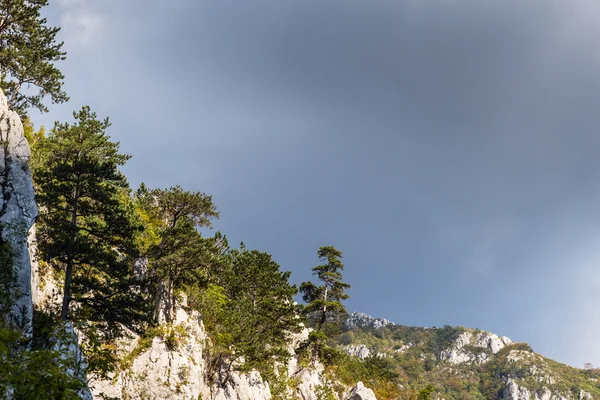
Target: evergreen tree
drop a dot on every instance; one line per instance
(85, 227)
(28, 51)
(326, 300)
(30, 133)
(256, 317)
(262, 306)
(180, 256)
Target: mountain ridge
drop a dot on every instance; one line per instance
(467, 362)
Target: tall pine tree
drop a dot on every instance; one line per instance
(181, 255)
(85, 227)
(326, 300)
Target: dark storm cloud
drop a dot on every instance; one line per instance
(449, 148)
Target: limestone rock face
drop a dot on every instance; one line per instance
(515, 392)
(360, 350)
(360, 392)
(457, 354)
(583, 395)
(460, 352)
(492, 341)
(362, 320)
(45, 289)
(159, 370)
(17, 208)
(245, 387)
(67, 345)
(309, 380)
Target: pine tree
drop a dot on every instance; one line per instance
(256, 317)
(180, 256)
(28, 51)
(262, 306)
(31, 134)
(85, 226)
(326, 300)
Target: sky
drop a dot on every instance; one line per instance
(449, 148)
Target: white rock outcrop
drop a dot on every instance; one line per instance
(45, 291)
(360, 392)
(513, 391)
(492, 341)
(358, 350)
(583, 395)
(17, 209)
(67, 345)
(464, 349)
(362, 320)
(159, 372)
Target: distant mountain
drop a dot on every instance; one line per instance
(362, 320)
(462, 363)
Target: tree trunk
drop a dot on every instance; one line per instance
(64, 313)
(170, 299)
(324, 310)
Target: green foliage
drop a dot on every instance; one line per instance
(426, 393)
(7, 279)
(251, 313)
(174, 336)
(211, 301)
(261, 308)
(31, 135)
(85, 227)
(44, 326)
(279, 383)
(442, 338)
(316, 347)
(28, 51)
(324, 301)
(86, 232)
(325, 392)
(178, 254)
(413, 361)
(35, 374)
(378, 373)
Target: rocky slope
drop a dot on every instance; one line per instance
(173, 367)
(466, 363)
(170, 363)
(460, 363)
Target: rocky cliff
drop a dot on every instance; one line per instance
(171, 365)
(17, 214)
(170, 362)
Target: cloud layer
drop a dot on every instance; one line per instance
(449, 149)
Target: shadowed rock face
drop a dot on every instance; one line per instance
(17, 209)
